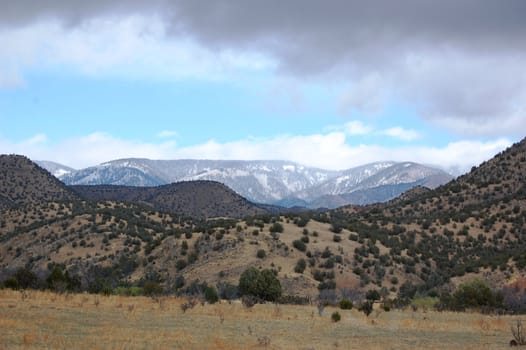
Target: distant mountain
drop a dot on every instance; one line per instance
(274, 182)
(23, 182)
(259, 181)
(58, 170)
(198, 199)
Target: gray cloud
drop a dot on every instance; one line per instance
(458, 62)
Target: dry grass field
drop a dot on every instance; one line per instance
(44, 320)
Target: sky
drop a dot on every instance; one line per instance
(330, 84)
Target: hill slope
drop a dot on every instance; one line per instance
(22, 182)
(425, 240)
(198, 199)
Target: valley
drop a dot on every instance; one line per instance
(198, 239)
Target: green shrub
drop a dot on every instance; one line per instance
(211, 295)
(11, 282)
(261, 254)
(372, 295)
(346, 304)
(180, 264)
(366, 307)
(276, 227)
(299, 245)
(152, 288)
(336, 317)
(300, 266)
(261, 284)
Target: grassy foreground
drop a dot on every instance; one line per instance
(44, 320)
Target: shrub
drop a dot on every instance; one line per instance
(300, 266)
(366, 307)
(336, 317)
(261, 254)
(263, 285)
(372, 295)
(152, 288)
(276, 227)
(474, 293)
(26, 278)
(180, 264)
(346, 304)
(11, 282)
(299, 245)
(211, 295)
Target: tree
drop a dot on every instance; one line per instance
(263, 285)
(372, 295)
(276, 227)
(211, 295)
(26, 278)
(474, 293)
(300, 266)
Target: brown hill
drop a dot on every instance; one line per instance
(474, 225)
(198, 199)
(425, 240)
(22, 182)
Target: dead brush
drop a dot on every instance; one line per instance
(519, 335)
(190, 304)
(264, 341)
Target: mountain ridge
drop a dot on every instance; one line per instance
(268, 182)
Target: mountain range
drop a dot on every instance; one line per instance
(280, 183)
(425, 240)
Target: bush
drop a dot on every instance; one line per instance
(346, 304)
(300, 266)
(474, 294)
(366, 307)
(211, 295)
(299, 245)
(152, 288)
(180, 264)
(26, 278)
(263, 285)
(372, 295)
(11, 282)
(261, 254)
(276, 227)
(336, 317)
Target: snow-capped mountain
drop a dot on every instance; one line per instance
(58, 170)
(276, 182)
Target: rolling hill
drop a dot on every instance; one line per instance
(425, 241)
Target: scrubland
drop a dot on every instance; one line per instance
(45, 320)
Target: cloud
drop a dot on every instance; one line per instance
(401, 133)
(356, 127)
(167, 134)
(131, 47)
(458, 64)
(328, 150)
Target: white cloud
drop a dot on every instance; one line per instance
(356, 127)
(167, 134)
(131, 47)
(401, 133)
(328, 150)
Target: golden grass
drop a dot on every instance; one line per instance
(44, 320)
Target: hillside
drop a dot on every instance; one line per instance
(474, 225)
(198, 199)
(426, 240)
(22, 182)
